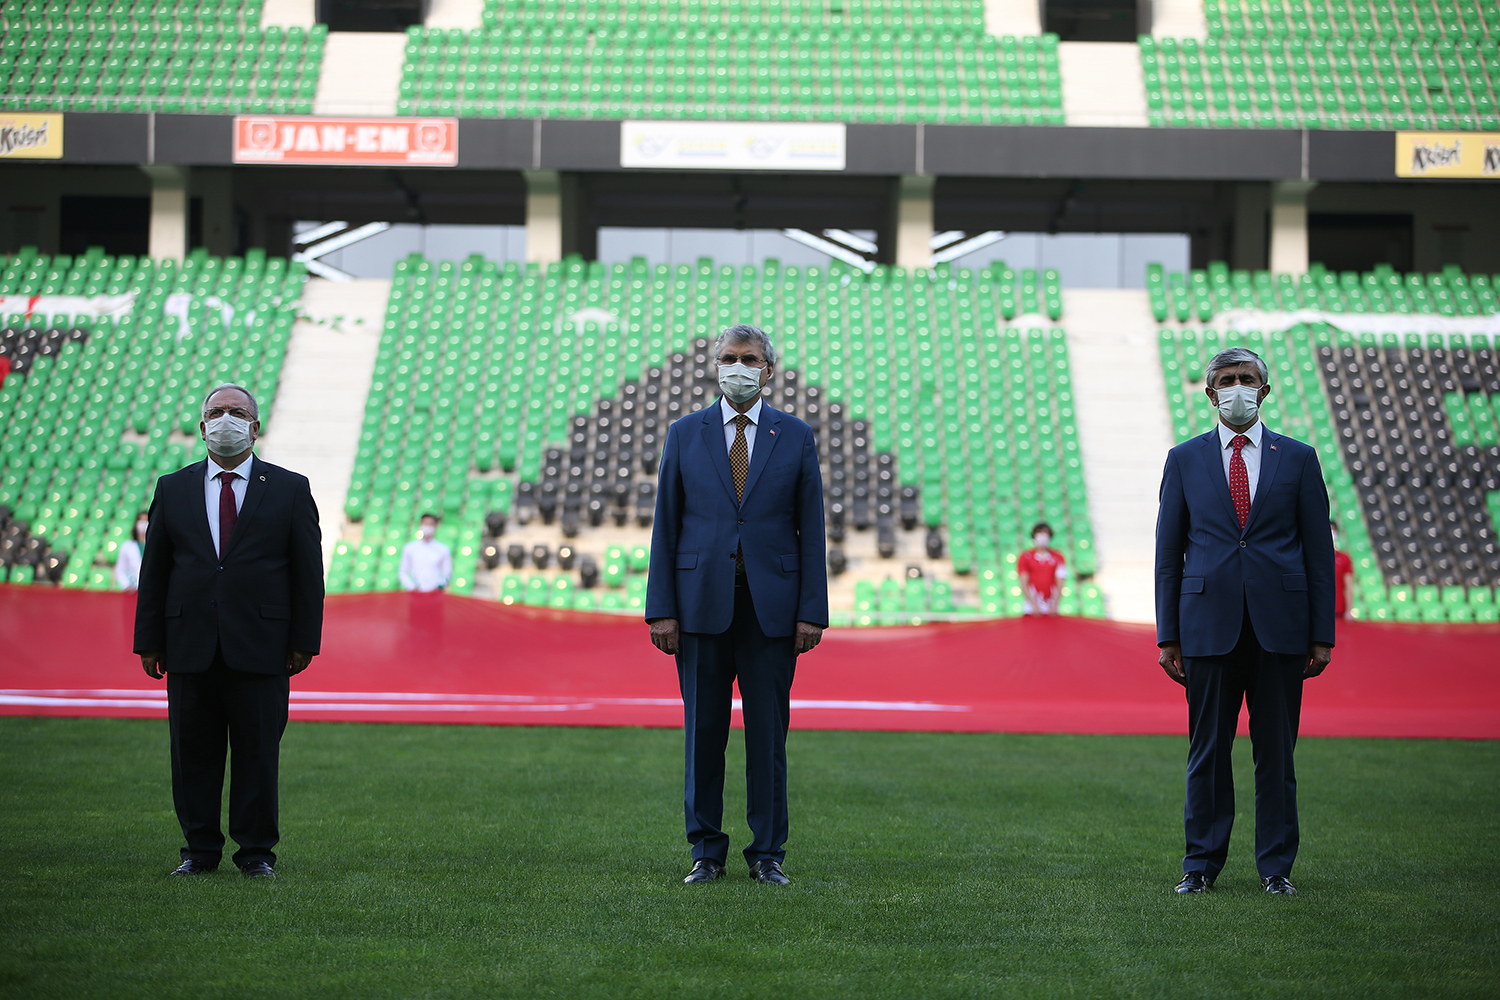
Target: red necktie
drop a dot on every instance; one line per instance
(1239, 480)
(228, 513)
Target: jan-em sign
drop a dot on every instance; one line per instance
(408, 142)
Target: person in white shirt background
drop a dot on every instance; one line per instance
(426, 563)
(128, 562)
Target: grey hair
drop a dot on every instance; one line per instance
(254, 406)
(742, 333)
(1236, 356)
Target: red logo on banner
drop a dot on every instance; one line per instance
(406, 142)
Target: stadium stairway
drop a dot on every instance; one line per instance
(326, 378)
(361, 73)
(287, 13)
(464, 14)
(1125, 431)
(1102, 84)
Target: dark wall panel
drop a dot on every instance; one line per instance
(881, 149)
(97, 137)
(1197, 154)
(488, 143)
(1351, 156)
(580, 145)
(196, 140)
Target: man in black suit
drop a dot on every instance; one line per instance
(230, 606)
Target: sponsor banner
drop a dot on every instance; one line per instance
(1447, 154)
(732, 145)
(33, 137)
(374, 142)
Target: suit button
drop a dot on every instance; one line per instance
(221, 569)
(1244, 544)
(742, 520)
(213, 604)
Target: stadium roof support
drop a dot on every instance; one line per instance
(168, 238)
(1289, 226)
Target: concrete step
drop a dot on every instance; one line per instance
(1102, 84)
(361, 73)
(325, 380)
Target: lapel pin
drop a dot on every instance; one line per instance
(262, 478)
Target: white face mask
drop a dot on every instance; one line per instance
(739, 382)
(1042, 539)
(426, 531)
(140, 528)
(1238, 404)
(227, 435)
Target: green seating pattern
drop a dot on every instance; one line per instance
(956, 16)
(479, 371)
(1200, 295)
(911, 602)
(85, 433)
(681, 68)
(206, 58)
(1329, 64)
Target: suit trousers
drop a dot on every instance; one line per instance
(1270, 685)
(246, 714)
(707, 666)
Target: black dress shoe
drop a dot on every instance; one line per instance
(1278, 885)
(191, 867)
(258, 869)
(704, 870)
(1194, 882)
(768, 870)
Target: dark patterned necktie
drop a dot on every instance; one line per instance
(228, 514)
(1239, 480)
(739, 456)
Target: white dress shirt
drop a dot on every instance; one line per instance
(128, 565)
(1250, 453)
(426, 564)
(729, 413)
(211, 492)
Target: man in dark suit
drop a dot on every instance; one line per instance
(230, 606)
(738, 588)
(1244, 612)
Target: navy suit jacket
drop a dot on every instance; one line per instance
(699, 527)
(1280, 566)
(260, 602)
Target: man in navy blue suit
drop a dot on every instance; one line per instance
(1244, 612)
(738, 588)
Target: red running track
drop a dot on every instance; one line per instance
(438, 658)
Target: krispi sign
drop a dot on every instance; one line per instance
(38, 137)
(360, 142)
(732, 145)
(1447, 154)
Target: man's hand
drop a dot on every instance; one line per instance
(1318, 659)
(297, 661)
(808, 636)
(1171, 661)
(665, 634)
(151, 663)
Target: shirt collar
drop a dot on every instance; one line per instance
(1226, 436)
(729, 412)
(242, 470)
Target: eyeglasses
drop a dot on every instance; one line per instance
(214, 412)
(748, 360)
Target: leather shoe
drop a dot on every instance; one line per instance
(191, 867)
(704, 870)
(768, 870)
(1194, 882)
(1278, 885)
(258, 869)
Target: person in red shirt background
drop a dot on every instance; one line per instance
(1343, 576)
(1042, 571)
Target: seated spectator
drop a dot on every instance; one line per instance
(1343, 576)
(1041, 571)
(128, 561)
(426, 563)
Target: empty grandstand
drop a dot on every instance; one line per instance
(528, 406)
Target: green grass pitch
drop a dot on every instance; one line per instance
(468, 861)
